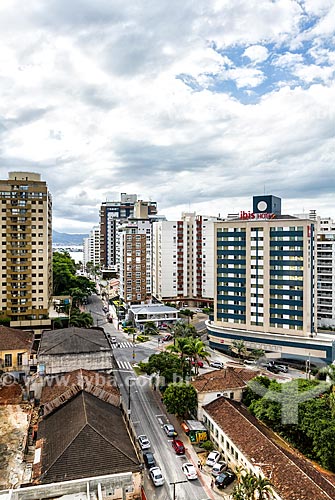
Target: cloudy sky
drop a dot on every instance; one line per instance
(196, 104)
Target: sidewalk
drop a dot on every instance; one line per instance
(204, 477)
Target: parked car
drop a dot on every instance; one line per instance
(189, 471)
(198, 310)
(224, 479)
(250, 362)
(218, 468)
(156, 476)
(216, 364)
(273, 369)
(212, 458)
(143, 442)
(113, 340)
(149, 459)
(167, 337)
(169, 430)
(282, 368)
(178, 447)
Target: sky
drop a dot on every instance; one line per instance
(198, 105)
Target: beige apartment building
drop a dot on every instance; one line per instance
(26, 250)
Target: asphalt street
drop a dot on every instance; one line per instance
(147, 413)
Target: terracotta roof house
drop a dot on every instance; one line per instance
(58, 389)
(245, 442)
(68, 349)
(229, 382)
(15, 347)
(84, 437)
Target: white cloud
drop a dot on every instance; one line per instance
(93, 98)
(256, 53)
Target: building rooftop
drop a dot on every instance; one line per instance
(292, 475)
(73, 340)
(152, 308)
(12, 339)
(221, 380)
(58, 389)
(84, 437)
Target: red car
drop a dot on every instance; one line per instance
(178, 447)
(167, 337)
(198, 363)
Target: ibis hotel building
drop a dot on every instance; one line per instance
(265, 286)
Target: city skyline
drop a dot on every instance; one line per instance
(197, 106)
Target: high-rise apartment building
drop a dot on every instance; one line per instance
(326, 273)
(91, 251)
(183, 260)
(26, 249)
(136, 260)
(112, 215)
(265, 289)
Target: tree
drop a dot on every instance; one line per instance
(180, 399)
(197, 351)
(166, 365)
(150, 328)
(188, 313)
(252, 487)
(238, 347)
(181, 329)
(80, 319)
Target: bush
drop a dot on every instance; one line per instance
(207, 445)
(142, 338)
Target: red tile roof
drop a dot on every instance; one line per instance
(61, 388)
(14, 340)
(292, 476)
(222, 380)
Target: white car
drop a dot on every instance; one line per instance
(156, 476)
(143, 442)
(218, 468)
(216, 364)
(189, 471)
(212, 458)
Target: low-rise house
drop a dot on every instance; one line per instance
(158, 313)
(15, 348)
(246, 443)
(229, 382)
(83, 436)
(72, 348)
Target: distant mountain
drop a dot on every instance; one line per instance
(67, 239)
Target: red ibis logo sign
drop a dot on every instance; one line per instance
(251, 215)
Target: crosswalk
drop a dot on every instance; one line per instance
(121, 345)
(123, 365)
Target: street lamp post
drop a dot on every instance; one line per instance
(174, 487)
(129, 381)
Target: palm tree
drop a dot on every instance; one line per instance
(252, 487)
(181, 347)
(197, 352)
(181, 329)
(238, 346)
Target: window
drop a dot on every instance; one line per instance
(8, 360)
(19, 359)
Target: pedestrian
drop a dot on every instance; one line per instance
(199, 465)
(212, 483)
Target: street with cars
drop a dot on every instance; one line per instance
(170, 463)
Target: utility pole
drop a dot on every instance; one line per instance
(174, 487)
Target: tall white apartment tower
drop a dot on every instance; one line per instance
(92, 247)
(326, 273)
(183, 259)
(26, 249)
